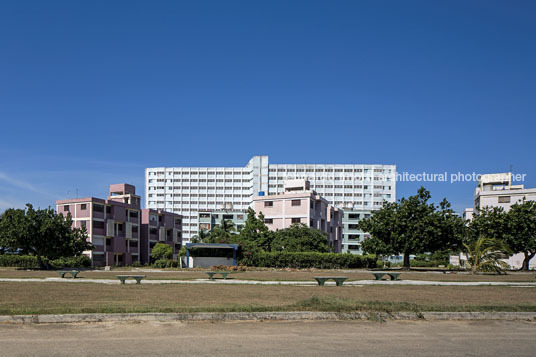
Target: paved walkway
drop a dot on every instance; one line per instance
(272, 338)
(262, 282)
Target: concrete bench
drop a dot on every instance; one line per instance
(212, 273)
(339, 280)
(393, 276)
(73, 273)
(138, 278)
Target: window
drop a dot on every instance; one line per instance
(153, 231)
(296, 202)
(268, 221)
(83, 224)
(98, 224)
(353, 216)
(504, 199)
(296, 220)
(66, 208)
(108, 209)
(133, 214)
(83, 206)
(134, 229)
(98, 208)
(268, 203)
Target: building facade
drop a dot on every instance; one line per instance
(497, 190)
(159, 226)
(114, 225)
(207, 220)
(187, 191)
(299, 204)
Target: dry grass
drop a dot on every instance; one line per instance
(276, 275)
(28, 298)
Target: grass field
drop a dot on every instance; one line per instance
(32, 298)
(275, 275)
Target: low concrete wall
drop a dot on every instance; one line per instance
(242, 316)
(207, 262)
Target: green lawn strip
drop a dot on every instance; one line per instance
(315, 303)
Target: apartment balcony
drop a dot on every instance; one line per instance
(97, 214)
(98, 231)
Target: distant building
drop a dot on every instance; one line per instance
(467, 214)
(159, 226)
(362, 188)
(208, 219)
(300, 204)
(497, 190)
(117, 226)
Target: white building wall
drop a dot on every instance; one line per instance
(188, 190)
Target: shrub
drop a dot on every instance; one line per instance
(383, 264)
(308, 260)
(165, 263)
(82, 261)
(161, 251)
(30, 261)
(427, 264)
(19, 261)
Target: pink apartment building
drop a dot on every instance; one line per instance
(120, 230)
(300, 204)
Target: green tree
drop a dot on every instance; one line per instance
(255, 234)
(412, 226)
(201, 237)
(13, 226)
(161, 251)
(300, 238)
(521, 230)
(42, 233)
(488, 222)
(485, 254)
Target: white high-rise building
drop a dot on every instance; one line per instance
(356, 188)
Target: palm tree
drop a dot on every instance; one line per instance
(201, 237)
(485, 254)
(226, 226)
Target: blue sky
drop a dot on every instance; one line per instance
(91, 93)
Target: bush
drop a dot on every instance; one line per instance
(308, 260)
(19, 261)
(161, 251)
(82, 261)
(30, 261)
(165, 263)
(383, 264)
(426, 264)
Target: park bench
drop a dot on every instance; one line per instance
(393, 276)
(138, 278)
(212, 273)
(73, 273)
(339, 280)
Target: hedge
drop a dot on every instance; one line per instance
(165, 263)
(30, 261)
(308, 260)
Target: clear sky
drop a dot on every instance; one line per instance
(92, 92)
